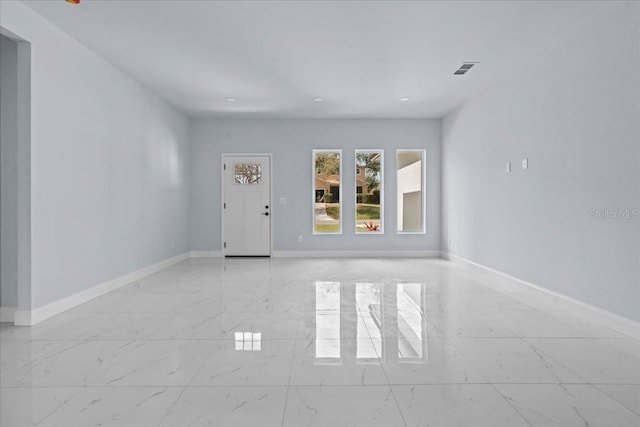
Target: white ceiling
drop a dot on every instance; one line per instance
(361, 57)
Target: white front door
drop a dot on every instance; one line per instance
(247, 205)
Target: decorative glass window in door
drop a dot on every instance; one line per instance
(247, 173)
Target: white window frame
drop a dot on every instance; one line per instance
(355, 208)
(313, 192)
(423, 153)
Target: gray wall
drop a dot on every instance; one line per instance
(575, 114)
(9, 172)
(291, 142)
(109, 187)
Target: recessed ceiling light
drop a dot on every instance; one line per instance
(405, 99)
(231, 99)
(318, 99)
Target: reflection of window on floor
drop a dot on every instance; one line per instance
(248, 341)
(410, 321)
(368, 296)
(328, 320)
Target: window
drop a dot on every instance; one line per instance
(410, 178)
(247, 173)
(369, 197)
(327, 205)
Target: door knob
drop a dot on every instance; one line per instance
(266, 214)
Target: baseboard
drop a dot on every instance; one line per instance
(356, 254)
(7, 314)
(32, 317)
(205, 254)
(615, 321)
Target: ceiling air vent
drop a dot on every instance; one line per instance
(464, 68)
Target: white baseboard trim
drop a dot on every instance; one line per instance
(615, 321)
(7, 314)
(206, 254)
(32, 317)
(356, 254)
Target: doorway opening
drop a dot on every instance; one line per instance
(15, 179)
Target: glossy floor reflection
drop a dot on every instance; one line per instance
(351, 342)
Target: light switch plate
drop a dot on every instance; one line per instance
(525, 163)
(283, 200)
(507, 167)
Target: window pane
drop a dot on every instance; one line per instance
(410, 181)
(327, 215)
(369, 197)
(247, 173)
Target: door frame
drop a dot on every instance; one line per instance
(223, 157)
(23, 314)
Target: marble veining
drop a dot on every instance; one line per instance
(321, 342)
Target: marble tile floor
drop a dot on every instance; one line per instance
(321, 342)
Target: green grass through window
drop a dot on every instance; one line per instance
(333, 210)
(367, 211)
(327, 228)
